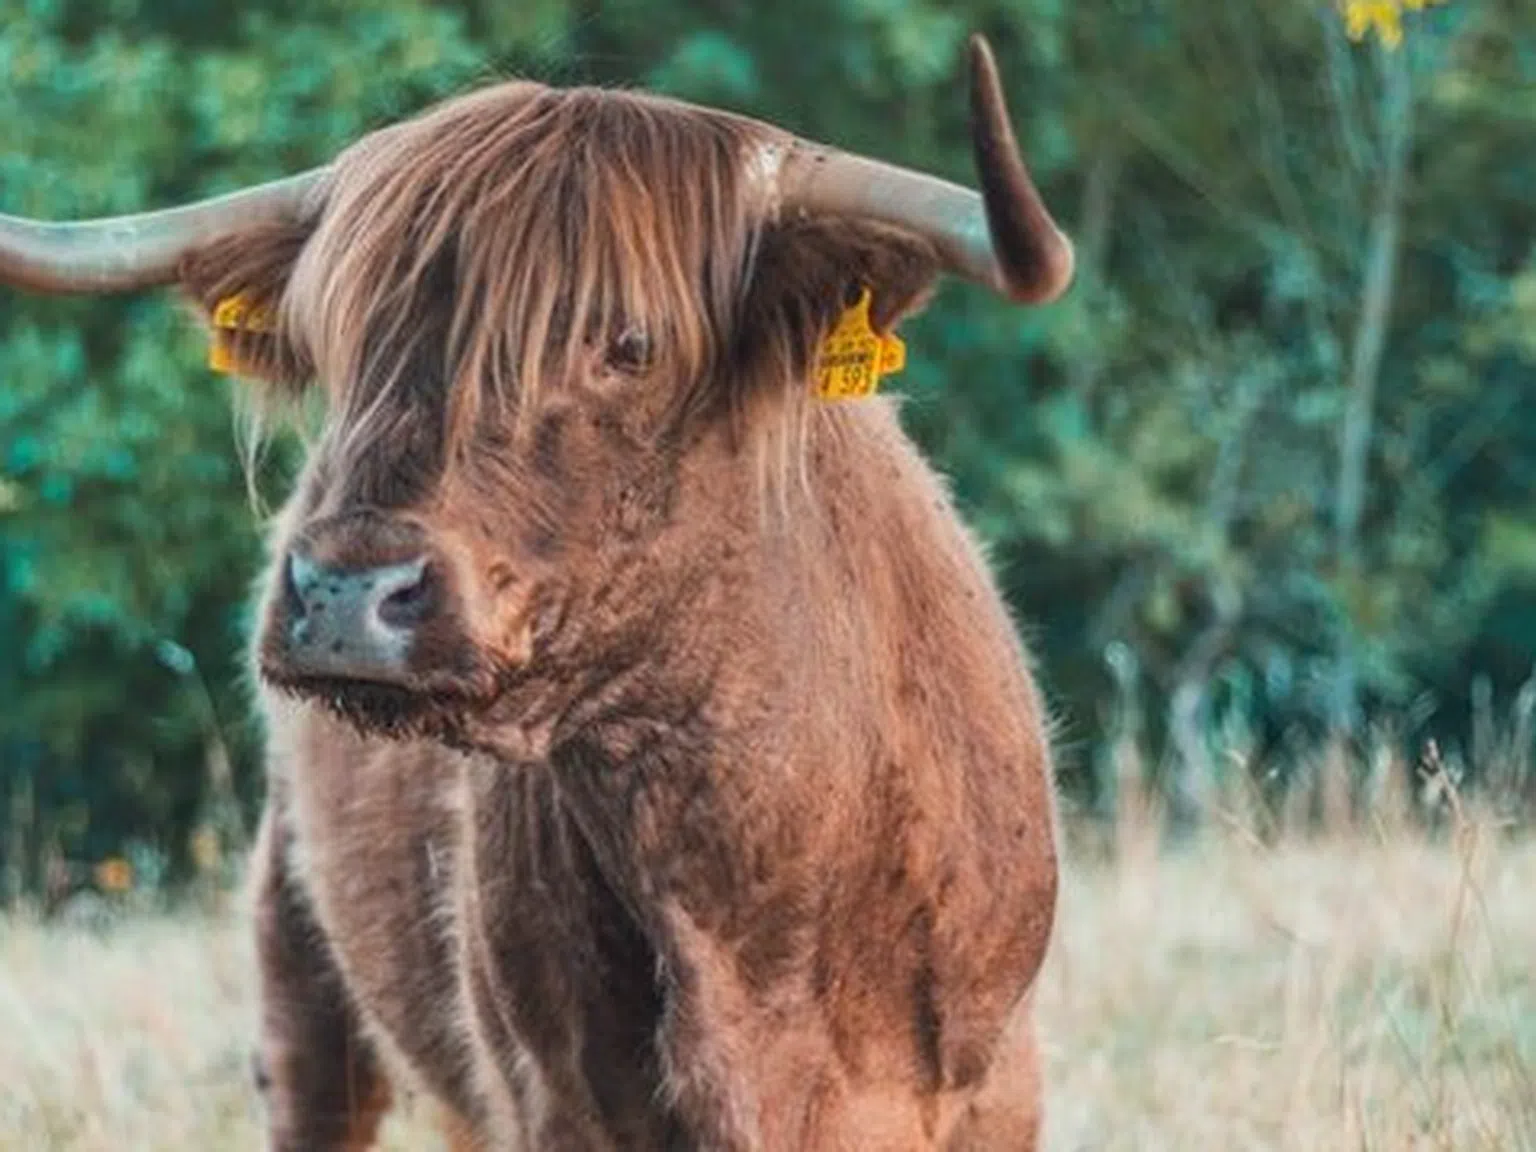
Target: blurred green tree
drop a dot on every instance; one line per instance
(1268, 466)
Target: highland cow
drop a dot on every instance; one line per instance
(652, 761)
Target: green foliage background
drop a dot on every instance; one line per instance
(1271, 464)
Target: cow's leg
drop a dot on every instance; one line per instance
(762, 1067)
(323, 1087)
(559, 981)
(756, 1067)
(737, 1089)
(1005, 1112)
(793, 1096)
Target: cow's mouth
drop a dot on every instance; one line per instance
(441, 712)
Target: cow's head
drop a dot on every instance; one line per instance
(529, 313)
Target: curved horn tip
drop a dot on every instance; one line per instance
(1035, 258)
(979, 49)
(1051, 281)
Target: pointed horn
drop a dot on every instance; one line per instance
(121, 253)
(1004, 238)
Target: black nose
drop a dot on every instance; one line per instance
(356, 623)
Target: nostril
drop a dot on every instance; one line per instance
(403, 602)
(408, 594)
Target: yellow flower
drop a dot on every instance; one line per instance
(1386, 16)
(114, 874)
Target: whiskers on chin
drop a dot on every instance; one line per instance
(389, 711)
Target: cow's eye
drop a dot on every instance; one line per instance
(630, 351)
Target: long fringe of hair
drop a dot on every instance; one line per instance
(507, 232)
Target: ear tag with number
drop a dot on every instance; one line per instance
(235, 314)
(854, 357)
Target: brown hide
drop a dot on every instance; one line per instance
(711, 806)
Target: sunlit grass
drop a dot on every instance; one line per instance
(1345, 993)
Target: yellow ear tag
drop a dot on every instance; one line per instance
(854, 357)
(235, 314)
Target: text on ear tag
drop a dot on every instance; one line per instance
(854, 357)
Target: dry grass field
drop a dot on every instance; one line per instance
(1350, 993)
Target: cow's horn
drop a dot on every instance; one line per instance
(121, 253)
(1004, 238)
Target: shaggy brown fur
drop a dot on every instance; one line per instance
(716, 811)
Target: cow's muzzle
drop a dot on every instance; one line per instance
(355, 623)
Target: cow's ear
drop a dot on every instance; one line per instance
(807, 272)
(238, 283)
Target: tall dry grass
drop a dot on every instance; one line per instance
(1335, 953)
(1346, 991)
(1334, 993)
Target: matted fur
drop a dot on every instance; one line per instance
(688, 826)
